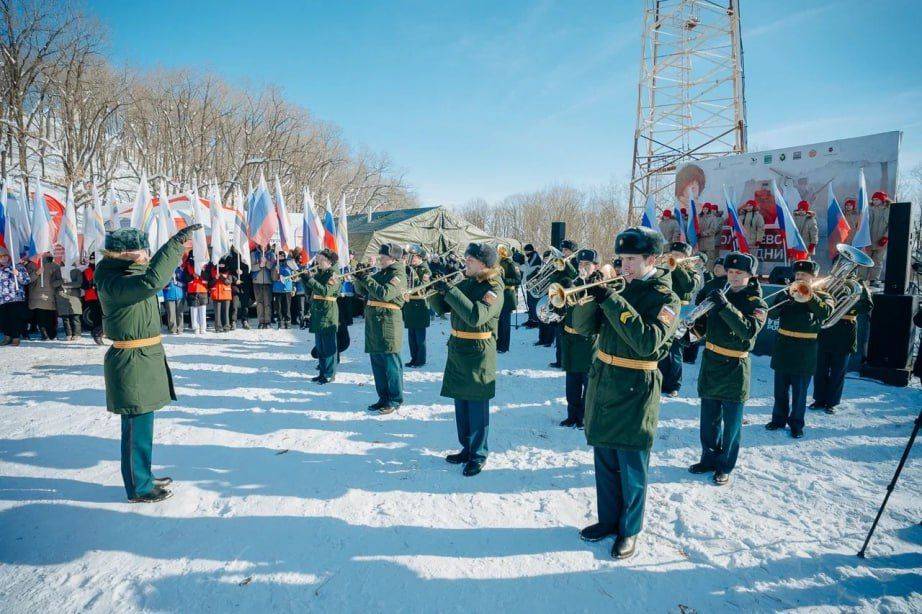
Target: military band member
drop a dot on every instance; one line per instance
(137, 378)
(730, 330)
(323, 290)
(384, 291)
(580, 328)
(836, 344)
(416, 316)
(685, 280)
(623, 396)
(511, 280)
(794, 355)
(568, 248)
(470, 368)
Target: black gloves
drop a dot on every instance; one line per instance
(719, 299)
(441, 286)
(600, 293)
(183, 235)
(361, 274)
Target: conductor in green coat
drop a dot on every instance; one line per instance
(323, 290)
(384, 292)
(623, 397)
(470, 368)
(729, 329)
(137, 378)
(416, 316)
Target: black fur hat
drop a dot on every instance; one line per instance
(330, 255)
(639, 240)
(483, 252)
(587, 255)
(806, 266)
(391, 249)
(569, 244)
(681, 247)
(740, 262)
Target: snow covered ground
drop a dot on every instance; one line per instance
(290, 497)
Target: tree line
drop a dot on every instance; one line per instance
(72, 118)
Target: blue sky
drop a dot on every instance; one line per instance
(486, 98)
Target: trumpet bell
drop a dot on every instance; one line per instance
(546, 313)
(854, 255)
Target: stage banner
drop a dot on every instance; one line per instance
(802, 173)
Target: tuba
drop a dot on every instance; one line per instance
(538, 285)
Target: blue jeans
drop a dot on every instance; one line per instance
(473, 421)
(387, 370)
(721, 422)
(621, 488)
(137, 442)
(790, 410)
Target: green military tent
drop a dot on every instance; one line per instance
(435, 228)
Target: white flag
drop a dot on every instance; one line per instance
(67, 234)
(199, 241)
(94, 227)
(220, 244)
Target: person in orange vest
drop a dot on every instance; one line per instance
(221, 295)
(196, 295)
(805, 221)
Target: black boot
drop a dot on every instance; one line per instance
(797, 433)
(829, 410)
(568, 422)
(155, 496)
(376, 406)
(699, 468)
(457, 459)
(721, 478)
(161, 482)
(624, 547)
(816, 406)
(771, 426)
(472, 468)
(597, 532)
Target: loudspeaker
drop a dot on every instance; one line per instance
(896, 271)
(558, 233)
(890, 339)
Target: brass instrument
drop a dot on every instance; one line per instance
(671, 262)
(308, 271)
(451, 279)
(701, 310)
(538, 285)
(560, 297)
(503, 251)
(343, 276)
(840, 283)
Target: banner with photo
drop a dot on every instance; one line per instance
(801, 173)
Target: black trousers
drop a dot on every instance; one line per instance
(221, 315)
(72, 326)
(576, 395)
(789, 409)
(671, 368)
(281, 304)
(532, 304)
(14, 317)
(504, 332)
(297, 308)
(92, 313)
(416, 339)
(829, 378)
(47, 322)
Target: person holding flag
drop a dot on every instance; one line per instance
(805, 221)
(837, 224)
(880, 233)
(795, 246)
(752, 224)
(13, 312)
(738, 239)
(669, 227)
(710, 227)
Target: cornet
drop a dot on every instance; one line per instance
(560, 297)
(417, 293)
(671, 262)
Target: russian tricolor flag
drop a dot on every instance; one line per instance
(837, 227)
(736, 229)
(311, 227)
(862, 237)
(692, 232)
(677, 212)
(649, 214)
(264, 222)
(329, 227)
(793, 242)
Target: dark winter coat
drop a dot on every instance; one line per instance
(384, 325)
(797, 355)
(416, 310)
(323, 288)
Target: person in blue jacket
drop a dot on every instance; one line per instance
(173, 294)
(282, 289)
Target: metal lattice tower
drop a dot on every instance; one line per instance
(690, 99)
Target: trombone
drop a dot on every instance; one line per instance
(417, 293)
(343, 276)
(560, 297)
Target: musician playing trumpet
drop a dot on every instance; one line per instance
(475, 303)
(580, 329)
(323, 288)
(801, 312)
(416, 310)
(685, 278)
(730, 329)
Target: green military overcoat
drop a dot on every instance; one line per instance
(384, 325)
(416, 310)
(319, 289)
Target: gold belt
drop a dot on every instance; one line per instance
(849, 318)
(382, 305)
(795, 334)
(725, 351)
(511, 287)
(317, 297)
(134, 344)
(463, 334)
(628, 363)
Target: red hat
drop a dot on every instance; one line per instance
(667, 213)
(684, 211)
(707, 206)
(803, 206)
(881, 196)
(751, 203)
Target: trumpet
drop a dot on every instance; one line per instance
(696, 262)
(560, 297)
(308, 271)
(343, 276)
(451, 279)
